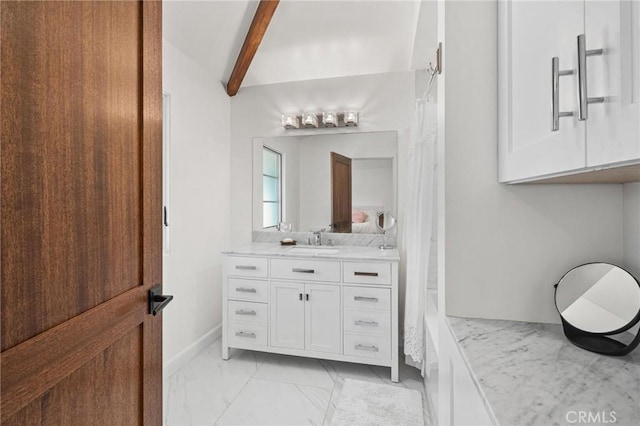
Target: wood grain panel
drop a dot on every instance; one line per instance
(81, 170)
(259, 25)
(341, 193)
(119, 387)
(30, 368)
(152, 206)
(70, 155)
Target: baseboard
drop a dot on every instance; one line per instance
(191, 351)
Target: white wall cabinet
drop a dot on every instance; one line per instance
(335, 309)
(587, 137)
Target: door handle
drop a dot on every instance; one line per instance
(583, 96)
(365, 274)
(304, 271)
(555, 94)
(157, 300)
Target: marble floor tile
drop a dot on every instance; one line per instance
(264, 402)
(260, 389)
(202, 390)
(297, 370)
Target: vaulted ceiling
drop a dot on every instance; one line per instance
(305, 39)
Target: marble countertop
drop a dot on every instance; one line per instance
(322, 252)
(531, 374)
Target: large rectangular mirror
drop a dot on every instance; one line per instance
(313, 182)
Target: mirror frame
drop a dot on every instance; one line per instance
(599, 342)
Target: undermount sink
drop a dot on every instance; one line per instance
(313, 250)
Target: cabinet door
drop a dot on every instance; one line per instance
(322, 318)
(613, 127)
(287, 315)
(530, 35)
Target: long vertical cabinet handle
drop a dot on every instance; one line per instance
(583, 97)
(555, 94)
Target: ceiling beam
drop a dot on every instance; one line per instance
(264, 12)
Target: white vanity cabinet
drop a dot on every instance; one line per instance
(580, 114)
(333, 308)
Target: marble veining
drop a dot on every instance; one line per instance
(255, 388)
(531, 374)
(338, 239)
(343, 252)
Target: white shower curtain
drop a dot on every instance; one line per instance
(418, 229)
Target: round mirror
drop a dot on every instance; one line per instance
(385, 221)
(598, 299)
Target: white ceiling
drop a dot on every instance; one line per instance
(305, 39)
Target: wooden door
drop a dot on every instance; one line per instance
(530, 35)
(322, 318)
(81, 169)
(287, 315)
(340, 192)
(613, 127)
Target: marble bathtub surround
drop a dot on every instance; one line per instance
(338, 239)
(255, 388)
(530, 374)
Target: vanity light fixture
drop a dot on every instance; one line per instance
(330, 119)
(326, 119)
(350, 118)
(290, 121)
(309, 120)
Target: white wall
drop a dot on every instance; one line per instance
(507, 245)
(200, 215)
(385, 102)
(631, 197)
(373, 182)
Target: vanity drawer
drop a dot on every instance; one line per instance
(245, 266)
(255, 290)
(248, 312)
(367, 346)
(367, 272)
(246, 333)
(369, 322)
(306, 270)
(367, 298)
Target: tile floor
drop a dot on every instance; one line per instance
(255, 388)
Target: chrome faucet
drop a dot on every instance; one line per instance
(317, 237)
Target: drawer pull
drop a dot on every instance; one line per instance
(304, 271)
(245, 290)
(366, 323)
(243, 312)
(365, 299)
(246, 267)
(365, 274)
(371, 348)
(244, 334)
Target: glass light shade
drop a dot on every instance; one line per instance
(330, 119)
(290, 121)
(350, 118)
(309, 119)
